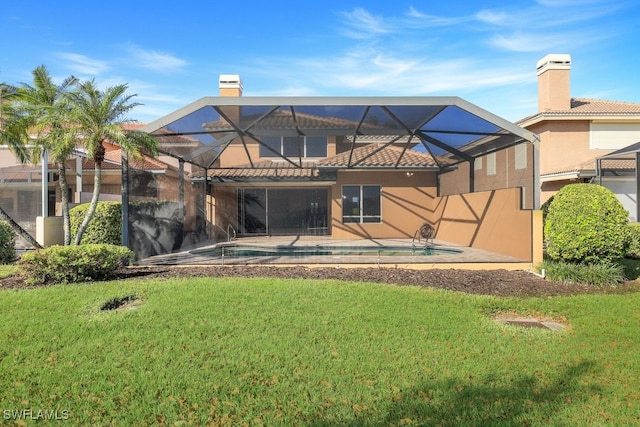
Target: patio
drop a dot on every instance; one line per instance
(467, 258)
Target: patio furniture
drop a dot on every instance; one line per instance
(426, 232)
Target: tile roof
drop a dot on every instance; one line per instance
(380, 156)
(266, 169)
(588, 167)
(285, 119)
(384, 157)
(146, 162)
(590, 107)
(113, 161)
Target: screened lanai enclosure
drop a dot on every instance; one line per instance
(360, 167)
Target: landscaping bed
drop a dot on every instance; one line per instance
(480, 282)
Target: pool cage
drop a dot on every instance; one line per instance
(243, 166)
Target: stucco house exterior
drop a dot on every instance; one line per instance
(575, 132)
(345, 168)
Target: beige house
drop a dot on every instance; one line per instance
(346, 168)
(574, 132)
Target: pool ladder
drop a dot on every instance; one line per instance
(232, 233)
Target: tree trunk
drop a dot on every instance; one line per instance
(64, 199)
(19, 230)
(97, 181)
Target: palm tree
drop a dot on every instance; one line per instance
(10, 136)
(100, 116)
(46, 119)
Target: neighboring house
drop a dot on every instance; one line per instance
(574, 132)
(21, 194)
(347, 168)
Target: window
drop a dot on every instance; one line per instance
(361, 204)
(477, 164)
(521, 156)
(293, 146)
(491, 164)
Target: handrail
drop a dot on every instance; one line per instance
(229, 238)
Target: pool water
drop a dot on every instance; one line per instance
(299, 251)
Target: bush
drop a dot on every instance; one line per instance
(586, 223)
(7, 243)
(105, 226)
(592, 274)
(634, 241)
(71, 264)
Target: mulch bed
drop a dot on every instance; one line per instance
(481, 282)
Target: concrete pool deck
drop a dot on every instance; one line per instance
(468, 258)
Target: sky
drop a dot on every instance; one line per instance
(172, 53)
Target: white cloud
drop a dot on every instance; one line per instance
(419, 19)
(83, 64)
(154, 60)
(491, 17)
(361, 24)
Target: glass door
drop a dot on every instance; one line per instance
(252, 211)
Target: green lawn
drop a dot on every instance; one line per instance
(287, 352)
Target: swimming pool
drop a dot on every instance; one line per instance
(247, 251)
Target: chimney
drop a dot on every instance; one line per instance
(230, 85)
(553, 82)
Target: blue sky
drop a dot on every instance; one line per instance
(172, 53)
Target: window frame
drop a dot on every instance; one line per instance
(270, 141)
(361, 217)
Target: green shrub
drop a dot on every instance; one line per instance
(634, 241)
(71, 264)
(7, 243)
(586, 224)
(105, 226)
(592, 274)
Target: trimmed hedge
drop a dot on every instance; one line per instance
(72, 264)
(634, 241)
(105, 226)
(7, 243)
(586, 223)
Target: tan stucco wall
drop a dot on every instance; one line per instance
(489, 220)
(564, 145)
(222, 211)
(506, 175)
(406, 203)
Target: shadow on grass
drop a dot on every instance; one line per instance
(460, 401)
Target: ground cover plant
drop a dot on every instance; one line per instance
(266, 351)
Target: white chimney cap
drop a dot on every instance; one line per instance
(229, 81)
(554, 61)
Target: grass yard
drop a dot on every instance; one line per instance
(291, 352)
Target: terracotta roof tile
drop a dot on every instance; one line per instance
(266, 169)
(591, 107)
(589, 166)
(284, 119)
(385, 157)
(379, 156)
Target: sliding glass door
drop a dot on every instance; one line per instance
(283, 211)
